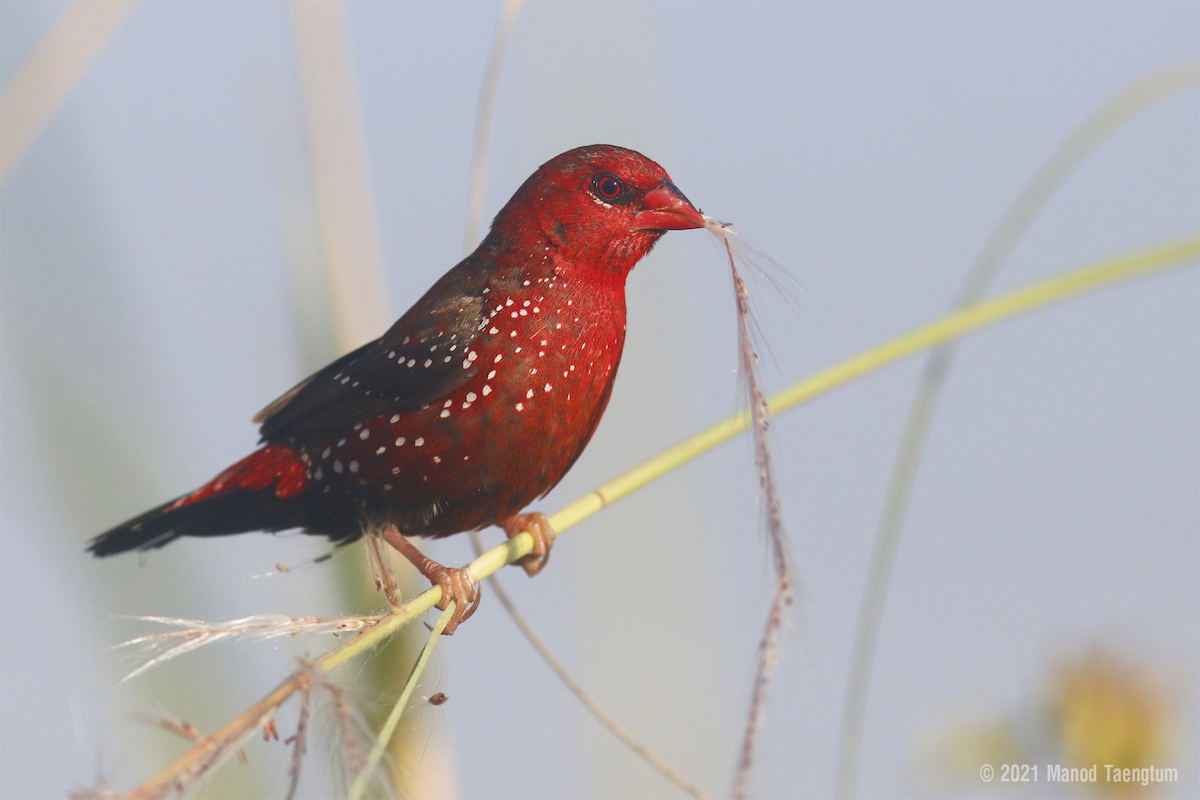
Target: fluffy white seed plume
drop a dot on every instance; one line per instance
(193, 634)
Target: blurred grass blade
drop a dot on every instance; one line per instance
(1116, 112)
(483, 125)
(1121, 108)
(49, 74)
(349, 233)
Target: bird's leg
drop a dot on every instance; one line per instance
(455, 583)
(381, 570)
(543, 537)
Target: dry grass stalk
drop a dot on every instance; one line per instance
(760, 421)
(347, 721)
(299, 739)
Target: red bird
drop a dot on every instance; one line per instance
(476, 402)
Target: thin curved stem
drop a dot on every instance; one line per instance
(576, 688)
(1124, 106)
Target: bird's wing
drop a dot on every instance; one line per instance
(421, 359)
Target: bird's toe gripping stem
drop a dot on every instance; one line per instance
(543, 538)
(456, 583)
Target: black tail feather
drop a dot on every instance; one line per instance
(233, 511)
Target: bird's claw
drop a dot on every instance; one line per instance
(538, 526)
(456, 585)
(455, 582)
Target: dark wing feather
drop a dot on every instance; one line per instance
(376, 379)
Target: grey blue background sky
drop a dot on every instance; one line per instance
(871, 149)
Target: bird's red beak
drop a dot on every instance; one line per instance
(666, 209)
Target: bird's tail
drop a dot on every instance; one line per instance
(252, 495)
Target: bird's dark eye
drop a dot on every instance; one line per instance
(608, 187)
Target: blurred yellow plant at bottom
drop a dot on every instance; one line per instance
(1106, 711)
(1105, 725)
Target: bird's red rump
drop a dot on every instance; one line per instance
(254, 472)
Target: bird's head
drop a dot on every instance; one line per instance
(600, 207)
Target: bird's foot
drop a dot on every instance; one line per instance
(543, 538)
(456, 583)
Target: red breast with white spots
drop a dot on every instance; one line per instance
(543, 362)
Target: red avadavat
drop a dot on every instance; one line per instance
(475, 403)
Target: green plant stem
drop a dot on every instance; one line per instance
(389, 727)
(1091, 278)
